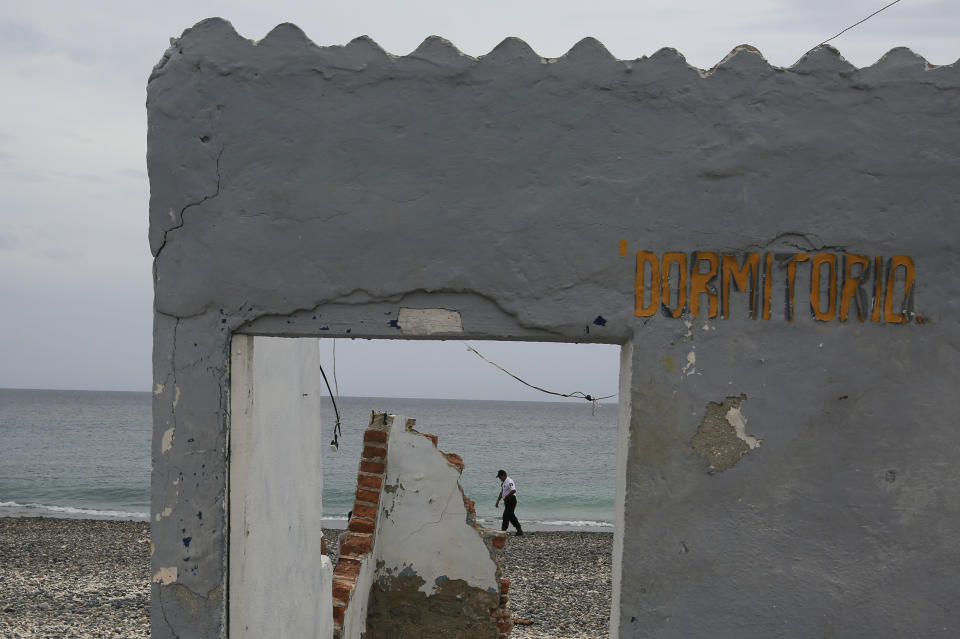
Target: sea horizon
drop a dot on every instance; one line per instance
(85, 454)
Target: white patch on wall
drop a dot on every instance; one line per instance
(428, 321)
(739, 422)
(690, 367)
(165, 576)
(167, 442)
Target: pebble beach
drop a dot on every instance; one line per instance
(75, 578)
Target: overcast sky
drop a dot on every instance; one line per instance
(75, 268)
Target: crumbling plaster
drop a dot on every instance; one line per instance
(304, 190)
(424, 526)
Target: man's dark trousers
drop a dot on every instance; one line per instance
(509, 505)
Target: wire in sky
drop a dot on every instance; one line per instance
(590, 398)
(859, 23)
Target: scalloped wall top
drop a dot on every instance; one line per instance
(515, 51)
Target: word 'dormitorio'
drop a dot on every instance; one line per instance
(703, 283)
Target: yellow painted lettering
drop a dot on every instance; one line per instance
(767, 285)
(877, 313)
(647, 259)
(746, 278)
(852, 284)
(816, 276)
(792, 278)
(700, 283)
(909, 274)
(669, 259)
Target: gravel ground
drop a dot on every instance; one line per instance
(74, 578)
(561, 582)
(71, 578)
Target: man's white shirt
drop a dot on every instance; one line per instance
(507, 486)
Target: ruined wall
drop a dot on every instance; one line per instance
(438, 573)
(414, 562)
(778, 238)
(356, 569)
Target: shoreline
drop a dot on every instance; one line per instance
(35, 511)
(91, 578)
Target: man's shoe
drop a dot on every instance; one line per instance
(519, 533)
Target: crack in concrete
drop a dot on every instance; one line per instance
(191, 205)
(443, 513)
(163, 613)
(811, 245)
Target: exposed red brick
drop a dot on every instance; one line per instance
(504, 601)
(369, 496)
(498, 542)
(338, 613)
(323, 546)
(372, 467)
(377, 436)
(432, 438)
(370, 481)
(504, 626)
(367, 512)
(342, 588)
(504, 585)
(355, 544)
(374, 452)
(456, 460)
(361, 525)
(347, 568)
(471, 506)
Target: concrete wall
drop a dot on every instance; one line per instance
(342, 191)
(276, 490)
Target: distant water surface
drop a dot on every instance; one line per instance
(87, 454)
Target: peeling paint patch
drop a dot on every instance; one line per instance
(721, 438)
(167, 442)
(428, 321)
(176, 396)
(165, 576)
(158, 389)
(166, 513)
(736, 419)
(690, 367)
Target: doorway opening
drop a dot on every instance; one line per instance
(561, 452)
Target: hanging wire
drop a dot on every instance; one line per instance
(594, 401)
(335, 442)
(335, 384)
(859, 23)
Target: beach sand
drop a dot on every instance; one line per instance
(84, 578)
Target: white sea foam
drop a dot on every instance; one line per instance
(555, 524)
(576, 523)
(14, 509)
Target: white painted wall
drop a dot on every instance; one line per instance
(423, 524)
(620, 497)
(280, 581)
(355, 618)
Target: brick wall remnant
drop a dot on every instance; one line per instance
(351, 578)
(415, 562)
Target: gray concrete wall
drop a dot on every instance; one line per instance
(300, 190)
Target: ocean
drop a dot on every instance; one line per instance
(87, 454)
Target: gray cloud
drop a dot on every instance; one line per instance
(73, 140)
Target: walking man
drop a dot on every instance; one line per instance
(508, 493)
